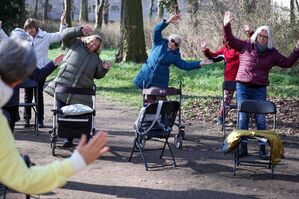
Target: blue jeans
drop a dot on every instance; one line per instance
(256, 93)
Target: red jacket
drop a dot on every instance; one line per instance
(254, 69)
(231, 57)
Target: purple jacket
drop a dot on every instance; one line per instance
(254, 69)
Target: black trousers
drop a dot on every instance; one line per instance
(29, 93)
(12, 114)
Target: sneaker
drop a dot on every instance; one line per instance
(41, 125)
(219, 120)
(67, 143)
(243, 150)
(262, 153)
(27, 124)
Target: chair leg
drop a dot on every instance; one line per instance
(171, 153)
(163, 148)
(235, 162)
(133, 149)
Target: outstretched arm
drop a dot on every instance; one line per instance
(3, 35)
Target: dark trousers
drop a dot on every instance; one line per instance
(12, 114)
(29, 93)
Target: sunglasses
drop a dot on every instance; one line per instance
(263, 36)
(174, 42)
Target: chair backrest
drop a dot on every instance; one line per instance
(28, 83)
(72, 90)
(168, 112)
(257, 107)
(229, 85)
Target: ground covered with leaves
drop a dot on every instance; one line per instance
(205, 111)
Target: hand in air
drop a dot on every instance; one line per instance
(86, 30)
(107, 65)
(227, 18)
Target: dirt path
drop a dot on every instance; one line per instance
(202, 172)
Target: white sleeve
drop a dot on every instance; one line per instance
(77, 161)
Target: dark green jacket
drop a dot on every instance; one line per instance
(79, 68)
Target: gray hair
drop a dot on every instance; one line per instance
(177, 38)
(17, 61)
(270, 43)
(19, 33)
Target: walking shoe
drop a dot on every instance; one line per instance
(27, 124)
(41, 125)
(262, 153)
(219, 120)
(67, 143)
(243, 150)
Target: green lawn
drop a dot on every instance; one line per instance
(204, 83)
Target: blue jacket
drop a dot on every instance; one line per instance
(155, 71)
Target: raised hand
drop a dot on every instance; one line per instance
(203, 44)
(297, 45)
(0, 24)
(62, 18)
(94, 149)
(246, 28)
(107, 65)
(173, 19)
(206, 62)
(227, 18)
(86, 30)
(58, 59)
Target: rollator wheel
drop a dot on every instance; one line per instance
(181, 131)
(178, 141)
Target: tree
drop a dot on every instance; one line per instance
(99, 14)
(83, 14)
(35, 9)
(46, 9)
(8, 10)
(68, 10)
(106, 12)
(150, 13)
(132, 43)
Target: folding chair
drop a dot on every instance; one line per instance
(156, 121)
(231, 86)
(257, 107)
(29, 83)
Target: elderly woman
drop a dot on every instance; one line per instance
(257, 57)
(16, 63)
(155, 72)
(81, 65)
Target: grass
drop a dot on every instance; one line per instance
(204, 83)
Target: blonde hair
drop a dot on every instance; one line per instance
(270, 43)
(96, 37)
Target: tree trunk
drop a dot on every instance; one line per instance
(106, 12)
(35, 9)
(68, 11)
(83, 13)
(99, 14)
(176, 8)
(23, 13)
(46, 9)
(132, 43)
(160, 12)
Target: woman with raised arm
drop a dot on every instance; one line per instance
(257, 57)
(155, 71)
(80, 66)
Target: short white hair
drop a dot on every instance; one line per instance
(177, 38)
(270, 43)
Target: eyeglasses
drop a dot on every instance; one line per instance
(263, 36)
(174, 42)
